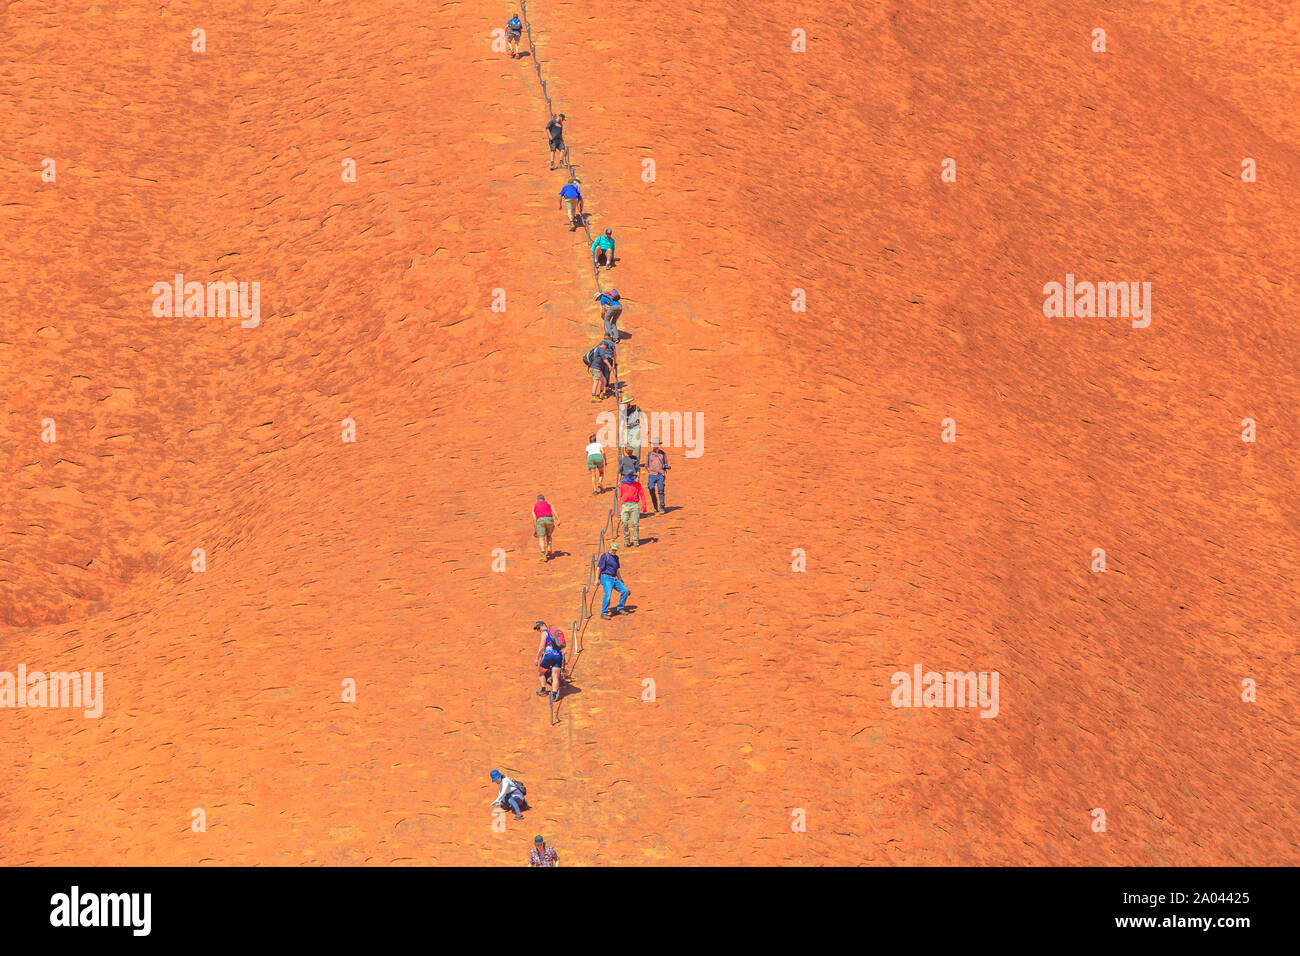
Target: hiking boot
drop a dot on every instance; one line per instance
(604, 615)
(554, 697)
(541, 691)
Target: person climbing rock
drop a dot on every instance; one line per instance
(541, 854)
(550, 659)
(555, 129)
(544, 521)
(602, 250)
(629, 465)
(611, 580)
(511, 794)
(656, 464)
(514, 30)
(571, 200)
(632, 502)
(596, 464)
(631, 426)
(600, 366)
(611, 310)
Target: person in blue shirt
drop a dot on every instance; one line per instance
(514, 29)
(571, 200)
(602, 250)
(611, 310)
(611, 581)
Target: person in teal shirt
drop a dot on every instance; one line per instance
(602, 250)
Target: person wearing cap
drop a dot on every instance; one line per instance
(509, 794)
(656, 463)
(609, 349)
(632, 501)
(571, 200)
(611, 580)
(555, 129)
(544, 522)
(550, 662)
(602, 250)
(611, 310)
(629, 465)
(602, 369)
(541, 854)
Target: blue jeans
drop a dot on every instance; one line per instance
(516, 802)
(611, 584)
(656, 487)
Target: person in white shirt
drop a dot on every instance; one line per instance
(509, 795)
(596, 465)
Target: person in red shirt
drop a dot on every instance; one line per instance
(632, 505)
(544, 522)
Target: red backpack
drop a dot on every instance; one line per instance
(557, 637)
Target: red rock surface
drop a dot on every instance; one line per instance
(776, 170)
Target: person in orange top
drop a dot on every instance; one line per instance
(632, 505)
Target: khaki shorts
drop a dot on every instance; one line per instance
(570, 207)
(544, 527)
(631, 515)
(597, 375)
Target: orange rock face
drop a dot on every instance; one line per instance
(919, 468)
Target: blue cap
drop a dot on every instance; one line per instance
(495, 775)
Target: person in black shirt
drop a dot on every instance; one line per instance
(555, 129)
(600, 369)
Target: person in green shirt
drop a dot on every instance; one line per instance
(602, 250)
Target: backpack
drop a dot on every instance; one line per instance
(557, 637)
(589, 358)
